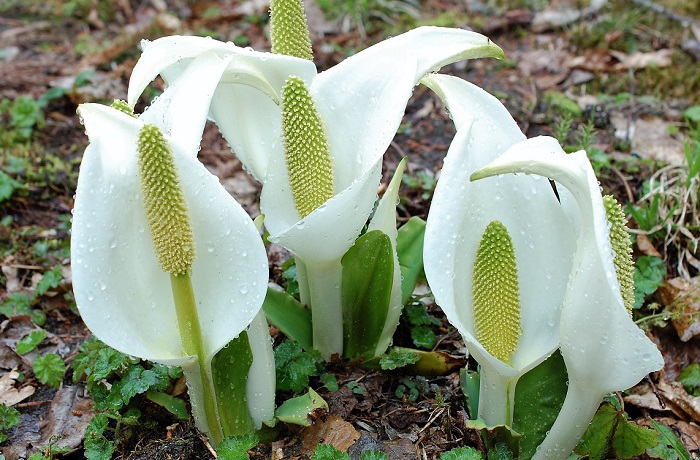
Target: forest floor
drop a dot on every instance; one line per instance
(620, 79)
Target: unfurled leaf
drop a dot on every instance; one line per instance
(398, 358)
(97, 446)
(649, 274)
(669, 446)
(690, 378)
(409, 247)
(49, 280)
(289, 316)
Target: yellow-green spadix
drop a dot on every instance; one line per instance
(603, 349)
(464, 220)
(122, 290)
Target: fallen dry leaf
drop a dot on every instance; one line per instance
(650, 138)
(685, 406)
(639, 60)
(332, 430)
(685, 295)
(688, 433)
(69, 415)
(646, 247)
(9, 395)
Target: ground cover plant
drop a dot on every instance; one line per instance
(630, 103)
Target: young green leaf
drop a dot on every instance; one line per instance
(97, 446)
(500, 452)
(462, 453)
(49, 369)
(368, 273)
(373, 455)
(398, 358)
(7, 186)
(539, 396)
(409, 248)
(236, 447)
(50, 280)
(289, 316)
(9, 417)
(423, 337)
(172, 404)
(30, 341)
(328, 452)
(690, 378)
(294, 366)
(648, 277)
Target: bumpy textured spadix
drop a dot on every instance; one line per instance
(496, 293)
(288, 30)
(166, 207)
(622, 247)
(123, 107)
(306, 149)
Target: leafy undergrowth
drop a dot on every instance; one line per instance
(621, 83)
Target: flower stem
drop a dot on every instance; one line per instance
(576, 414)
(326, 306)
(303, 280)
(494, 397)
(199, 381)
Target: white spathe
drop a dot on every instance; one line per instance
(603, 348)
(121, 291)
(543, 239)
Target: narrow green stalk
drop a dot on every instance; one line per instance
(326, 306)
(576, 414)
(494, 397)
(193, 344)
(303, 280)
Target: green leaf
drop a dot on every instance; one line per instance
(230, 368)
(470, 381)
(7, 186)
(30, 341)
(539, 396)
(462, 453)
(236, 447)
(17, 303)
(398, 358)
(373, 455)
(649, 274)
(417, 314)
(329, 381)
(50, 280)
(49, 369)
(97, 446)
(328, 452)
(611, 431)
(172, 404)
(368, 274)
(669, 446)
(289, 316)
(299, 410)
(500, 452)
(631, 440)
(690, 378)
(294, 366)
(423, 337)
(409, 248)
(692, 113)
(9, 417)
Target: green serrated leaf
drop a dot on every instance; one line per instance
(9, 417)
(17, 303)
(462, 453)
(97, 446)
(669, 446)
(500, 452)
(631, 440)
(49, 369)
(409, 248)
(690, 378)
(30, 341)
(397, 358)
(294, 366)
(649, 274)
(539, 396)
(236, 447)
(423, 337)
(50, 280)
(368, 274)
(597, 439)
(328, 452)
(373, 455)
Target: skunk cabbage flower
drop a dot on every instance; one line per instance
(603, 349)
(497, 253)
(166, 265)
